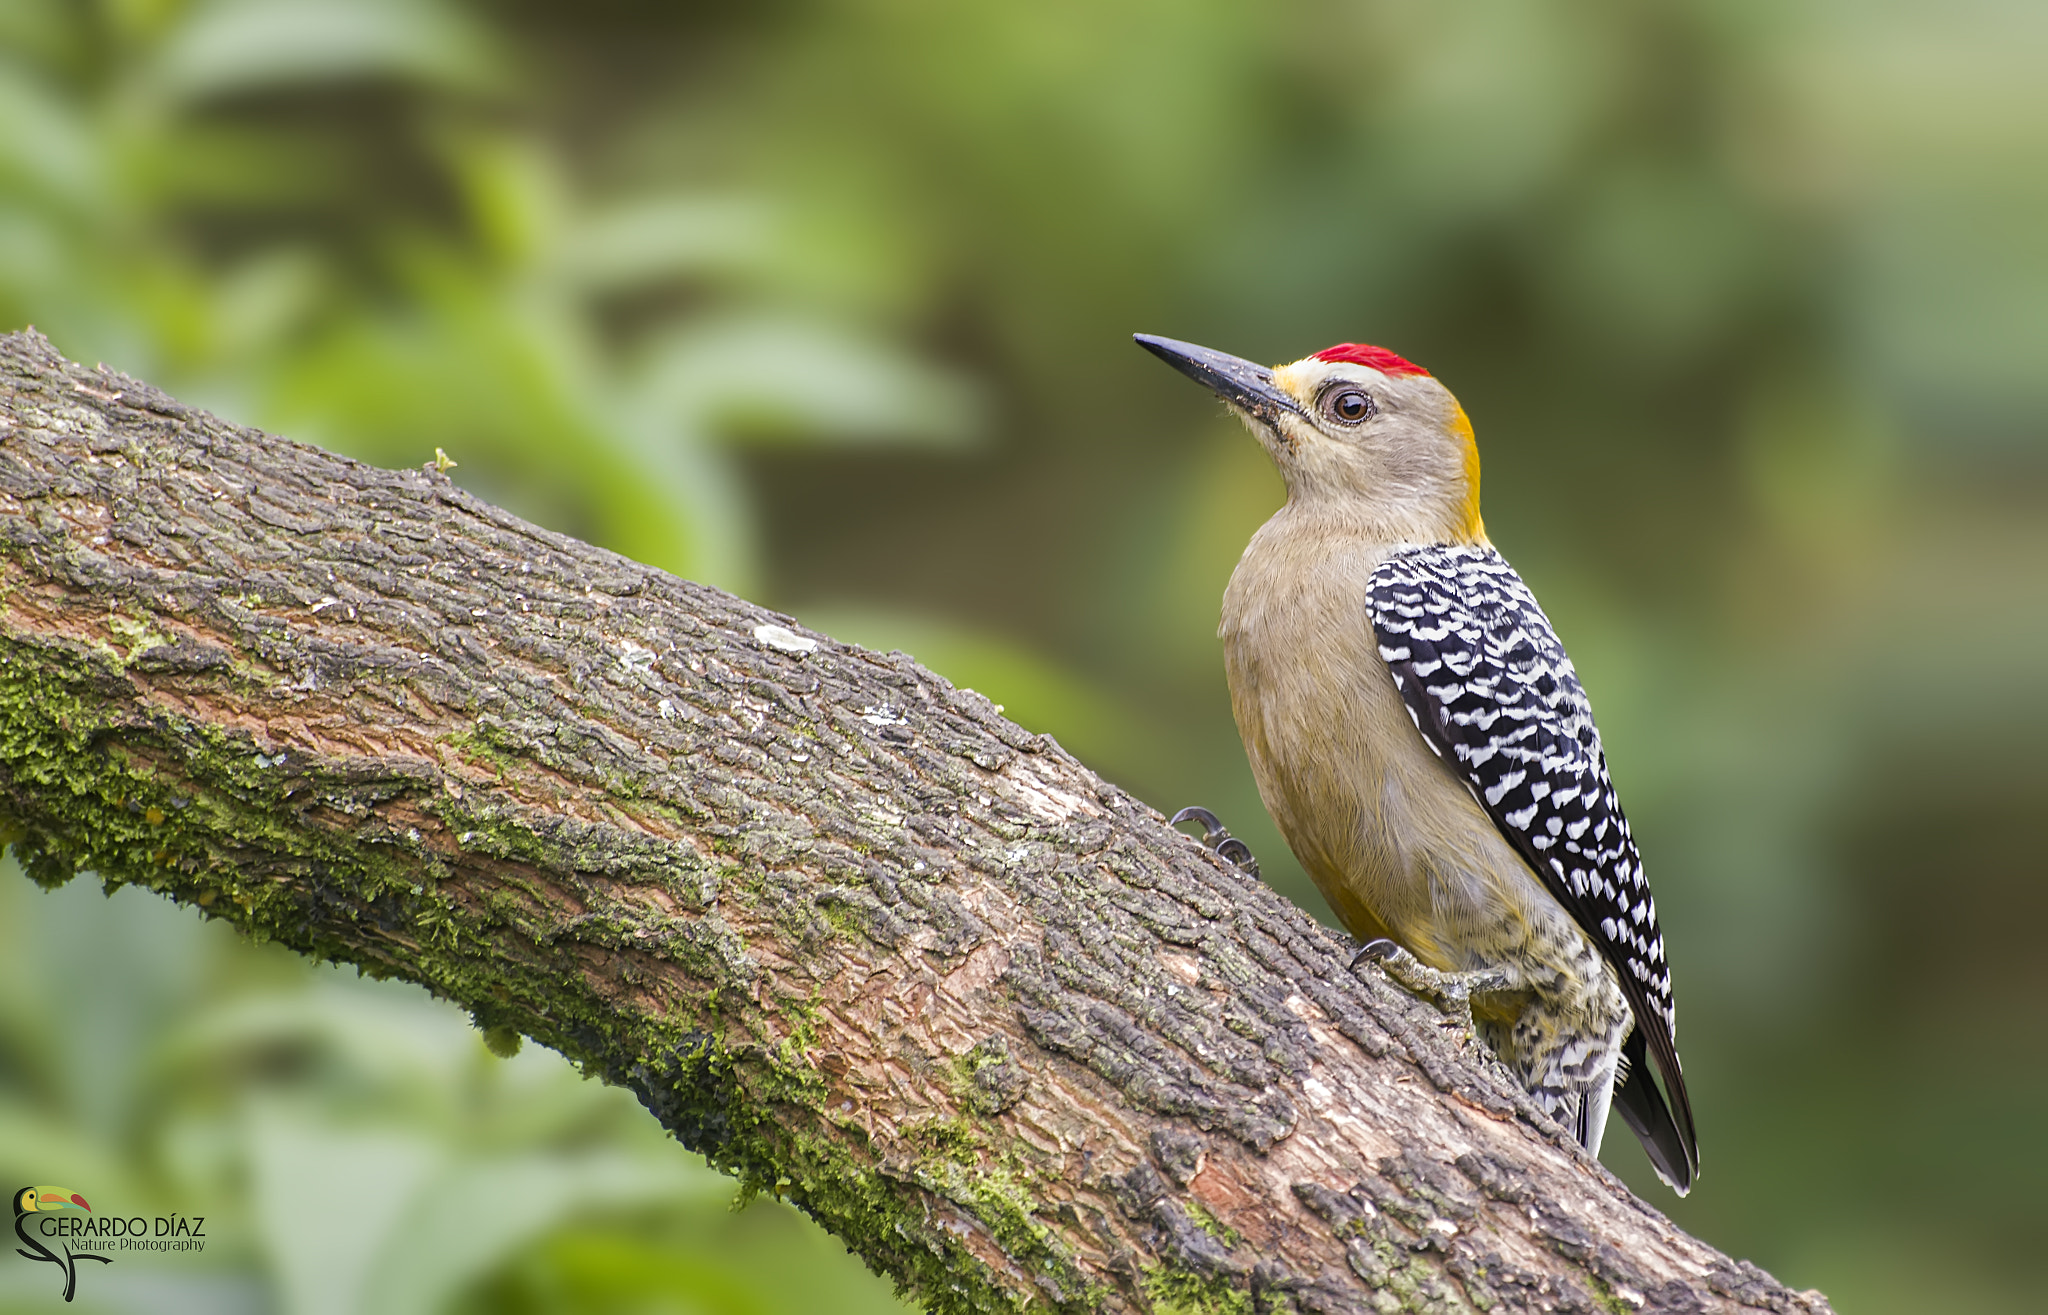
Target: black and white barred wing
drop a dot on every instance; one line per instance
(1490, 688)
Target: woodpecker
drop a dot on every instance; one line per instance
(1427, 751)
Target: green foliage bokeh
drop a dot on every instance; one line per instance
(829, 302)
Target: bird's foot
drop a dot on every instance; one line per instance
(1217, 839)
(1451, 993)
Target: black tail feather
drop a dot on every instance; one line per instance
(1642, 1107)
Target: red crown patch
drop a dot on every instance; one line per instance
(1376, 358)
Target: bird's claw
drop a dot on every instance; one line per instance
(1377, 950)
(1216, 838)
(1396, 962)
(1450, 992)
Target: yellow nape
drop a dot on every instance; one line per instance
(1471, 529)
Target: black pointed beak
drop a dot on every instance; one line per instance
(1237, 381)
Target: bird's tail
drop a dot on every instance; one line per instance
(1642, 1107)
(1592, 1121)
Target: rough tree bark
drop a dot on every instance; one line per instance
(839, 925)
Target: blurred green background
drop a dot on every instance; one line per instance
(829, 302)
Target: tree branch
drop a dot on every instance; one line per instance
(840, 926)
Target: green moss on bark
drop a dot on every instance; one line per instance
(207, 817)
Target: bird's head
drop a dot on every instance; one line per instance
(1354, 429)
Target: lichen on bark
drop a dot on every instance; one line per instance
(842, 928)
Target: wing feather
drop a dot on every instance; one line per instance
(1488, 684)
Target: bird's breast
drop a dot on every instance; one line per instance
(1390, 835)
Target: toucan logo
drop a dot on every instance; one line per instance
(40, 1203)
(58, 1225)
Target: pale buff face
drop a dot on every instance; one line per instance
(1394, 449)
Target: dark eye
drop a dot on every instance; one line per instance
(1347, 406)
